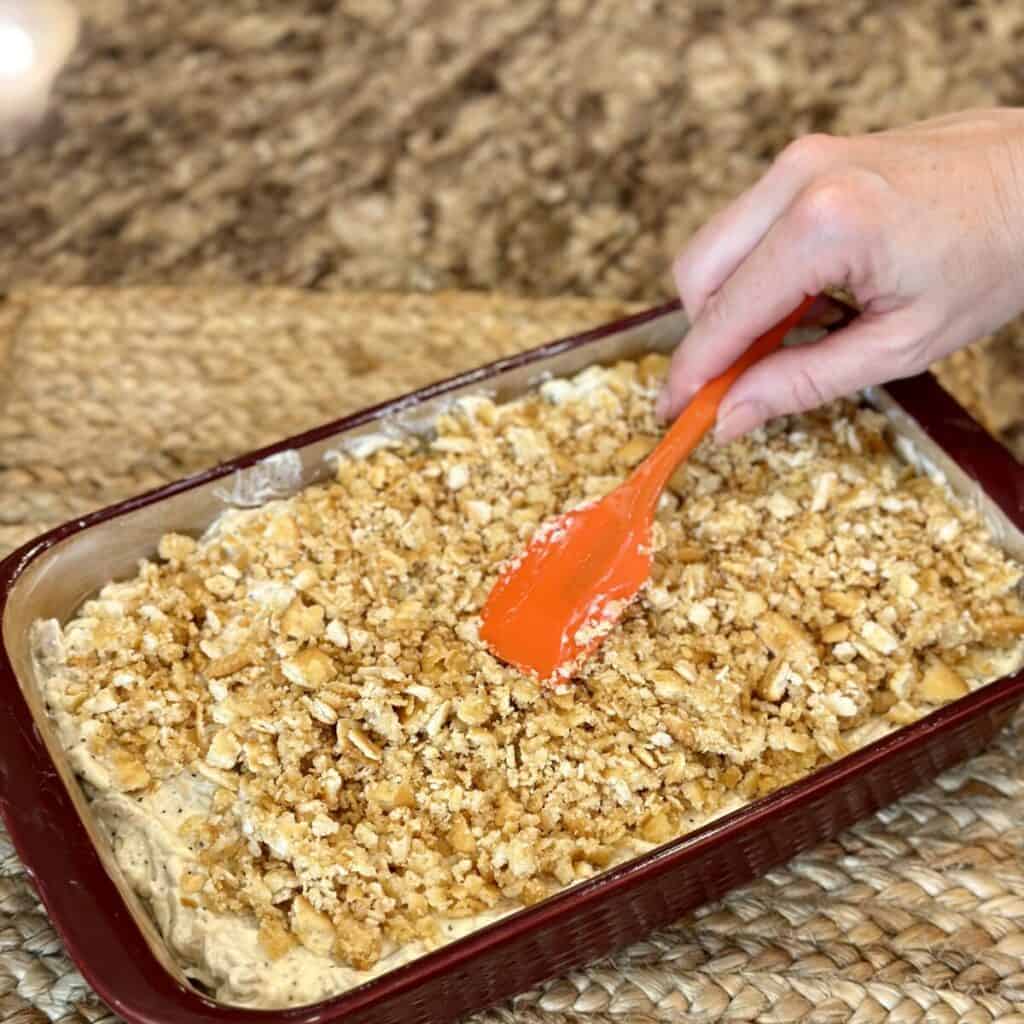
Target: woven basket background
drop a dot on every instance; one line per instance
(916, 915)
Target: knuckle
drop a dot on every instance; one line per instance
(807, 391)
(810, 152)
(832, 208)
(688, 283)
(912, 343)
(716, 312)
(910, 357)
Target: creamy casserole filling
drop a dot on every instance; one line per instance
(312, 770)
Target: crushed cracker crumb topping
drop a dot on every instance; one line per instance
(375, 770)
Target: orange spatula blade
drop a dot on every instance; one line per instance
(573, 581)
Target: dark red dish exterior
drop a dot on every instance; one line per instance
(566, 931)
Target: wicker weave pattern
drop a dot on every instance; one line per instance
(918, 914)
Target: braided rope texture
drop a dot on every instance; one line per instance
(915, 915)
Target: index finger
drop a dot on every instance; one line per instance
(719, 246)
(808, 249)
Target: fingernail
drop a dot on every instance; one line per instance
(739, 419)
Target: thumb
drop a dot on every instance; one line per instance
(870, 351)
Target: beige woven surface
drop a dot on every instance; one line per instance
(918, 914)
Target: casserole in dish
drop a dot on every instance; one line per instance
(45, 587)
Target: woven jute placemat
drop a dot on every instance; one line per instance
(915, 915)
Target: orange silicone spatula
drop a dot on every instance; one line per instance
(556, 602)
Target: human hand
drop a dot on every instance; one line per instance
(924, 226)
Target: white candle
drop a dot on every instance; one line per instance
(36, 39)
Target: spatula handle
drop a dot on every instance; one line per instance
(699, 416)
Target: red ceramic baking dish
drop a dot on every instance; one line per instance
(107, 932)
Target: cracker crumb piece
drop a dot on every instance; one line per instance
(301, 621)
(903, 713)
(521, 859)
(225, 749)
(479, 512)
(311, 927)
(274, 937)
(458, 477)
(880, 638)
(941, 684)
(1001, 628)
(772, 685)
(324, 826)
(785, 636)
(669, 685)
(657, 828)
(635, 450)
(129, 772)
(474, 709)
(229, 664)
(823, 488)
(175, 547)
(844, 652)
(781, 506)
(362, 743)
(311, 668)
(358, 943)
(220, 585)
(337, 634)
(389, 795)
